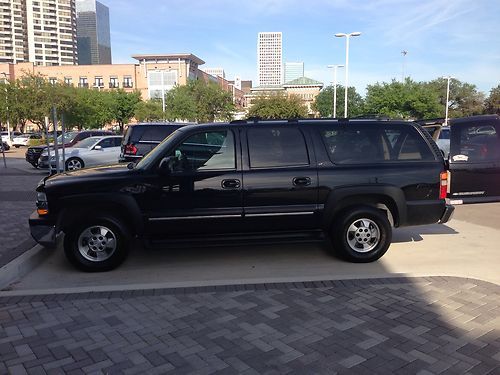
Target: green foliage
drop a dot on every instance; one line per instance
(492, 103)
(150, 110)
(324, 102)
(409, 100)
(88, 108)
(199, 101)
(277, 106)
(464, 99)
(123, 106)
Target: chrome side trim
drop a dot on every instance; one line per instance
(281, 214)
(192, 217)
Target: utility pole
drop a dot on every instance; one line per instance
(335, 87)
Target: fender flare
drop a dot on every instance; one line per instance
(125, 205)
(341, 198)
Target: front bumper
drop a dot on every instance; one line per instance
(43, 230)
(447, 214)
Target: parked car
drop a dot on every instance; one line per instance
(5, 136)
(139, 139)
(443, 141)
(90, 152)
(70, 138)
(24, 139)
(475, 159)
(288, 180)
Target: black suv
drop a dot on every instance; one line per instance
(139, 139)
(70, 139)
(258, 179)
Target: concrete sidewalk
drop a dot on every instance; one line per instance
(426, 325)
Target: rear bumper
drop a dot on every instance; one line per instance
(447, 214)
(43, 230)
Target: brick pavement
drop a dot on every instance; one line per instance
(427, 325)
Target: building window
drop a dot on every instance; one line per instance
(83, 82)
(68, 81)
(113, 83)
(127, 82)
(98, 82)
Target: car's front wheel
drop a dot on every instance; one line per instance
(99, 244)
(72, 164)
(362, 234)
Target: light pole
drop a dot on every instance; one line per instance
(335, 87)
(347, 37)
(403, 53)
(447, 98)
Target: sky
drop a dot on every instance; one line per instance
(460, 38)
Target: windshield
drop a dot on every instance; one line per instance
(68, 137)
(149, 159)
(87, 142)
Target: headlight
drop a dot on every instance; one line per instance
(42, 206)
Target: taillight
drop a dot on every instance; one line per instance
(443, 185)
(130, 149)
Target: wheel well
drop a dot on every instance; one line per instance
(74, 214)
(380, 202)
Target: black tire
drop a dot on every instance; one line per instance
(72, 162)
(17, 146)
(87, 260)
(367, 240)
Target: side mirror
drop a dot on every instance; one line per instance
(98, 147)
(166, 165)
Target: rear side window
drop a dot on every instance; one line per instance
(276, 147)
(366, 144)
(149, 133)
(474, 142)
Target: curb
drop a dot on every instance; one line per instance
(23, 264)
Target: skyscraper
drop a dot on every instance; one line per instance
(93, 35)
(293, 70)
(42, 32)
(270, 59)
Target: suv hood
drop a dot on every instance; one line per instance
(88, 174)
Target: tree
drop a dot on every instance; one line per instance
(464, 99)
(492, 103)
(277, 106)
(89, 108)
(150, 110)
(324, 102)
(123, 106)
(409, 100)
(199, 101)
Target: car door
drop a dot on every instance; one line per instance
(203, 192)
(280, 182)
(475, 160)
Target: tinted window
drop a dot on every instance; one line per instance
(372, 144)
(476, 143)
(276, 147)
(149, 133)
(206, 150)
(117, 141)
(108, 142)
(445, 134)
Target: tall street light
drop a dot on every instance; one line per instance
(447, 98)
(347, 37)
(335, 87)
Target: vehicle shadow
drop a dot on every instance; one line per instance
(414, 234)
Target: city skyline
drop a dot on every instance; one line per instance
(432, 32)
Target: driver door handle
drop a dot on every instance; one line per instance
(231, 184)
(301, 181)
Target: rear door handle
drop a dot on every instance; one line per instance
(231, 184)
(301, 181)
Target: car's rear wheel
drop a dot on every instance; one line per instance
(361, 234)
(72, 164)
(99, 244)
